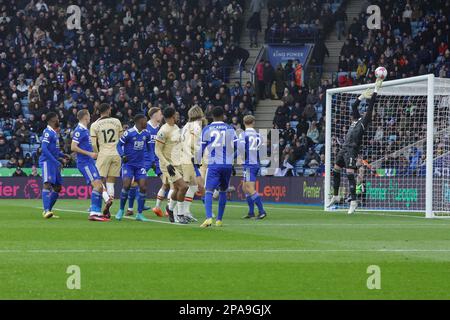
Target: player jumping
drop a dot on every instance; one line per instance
(220, 140)
(82, 145)
(51, 162)
(131, 148)
(249, 144)
(348, 154)
(105, 134)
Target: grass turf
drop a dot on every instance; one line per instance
(295, 253)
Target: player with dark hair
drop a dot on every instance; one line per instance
(105, 134)
(51, 162)
(131, 147)
(150, 161)
(82, 145)
(168, 150)
(220, 141)
(347, 156)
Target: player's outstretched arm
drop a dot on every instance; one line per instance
(368, 117)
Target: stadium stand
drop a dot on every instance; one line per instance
(404, 46)
(132, 54)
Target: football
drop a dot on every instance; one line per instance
(381, 72)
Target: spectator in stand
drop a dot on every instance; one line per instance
(34, 172)
(341, 18)
(133, 57)
(279, 81)
(268, 78)
(260, 79)
(19, 173)
(254, 26)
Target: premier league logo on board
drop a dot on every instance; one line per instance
(32, 189)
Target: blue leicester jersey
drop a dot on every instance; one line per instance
(133, 144)
(50, 146)
(82, 137)
(220, 142)
(150, 156)
(249, 147)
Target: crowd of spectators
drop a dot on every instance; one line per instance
(132, 54)
(300, 20)
(413, 40)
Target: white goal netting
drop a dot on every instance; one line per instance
(392, 164)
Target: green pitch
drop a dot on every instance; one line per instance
(296, 253)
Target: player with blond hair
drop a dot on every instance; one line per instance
(191, 147)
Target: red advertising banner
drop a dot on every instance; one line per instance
(305, 190)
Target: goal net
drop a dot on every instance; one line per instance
(404, 161)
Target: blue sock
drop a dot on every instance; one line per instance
(96, 201)
(53, 197)
(141, 202)
(123, 198)
(208, 204)
(46, 199)
(222, 203)
(131, 196)
(251, 205)
(257, 199)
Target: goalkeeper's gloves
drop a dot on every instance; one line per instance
(378, 84)
(124, 159)
(153, 167)
(366, 95)
(171, 170)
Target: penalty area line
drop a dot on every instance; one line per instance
(125, 217)
(224, 250)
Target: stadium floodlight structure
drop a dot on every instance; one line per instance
(404, 162)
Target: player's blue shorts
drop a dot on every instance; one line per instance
(132, 171)
(51, 173)
(218, 178)
(250, 174)
(89, 171)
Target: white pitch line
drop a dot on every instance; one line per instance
(412, 225)
(224, 251)
(318, 211)
(158, 221)
(125, 217)
(285, 224)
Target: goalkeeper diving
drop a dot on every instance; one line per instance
(348, 154)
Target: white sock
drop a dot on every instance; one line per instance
(180, 208)
(172, 204)
(160, 197)
(110, 188)
(105, 196)
(188, 199)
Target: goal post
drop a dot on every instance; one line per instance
(404, 160)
